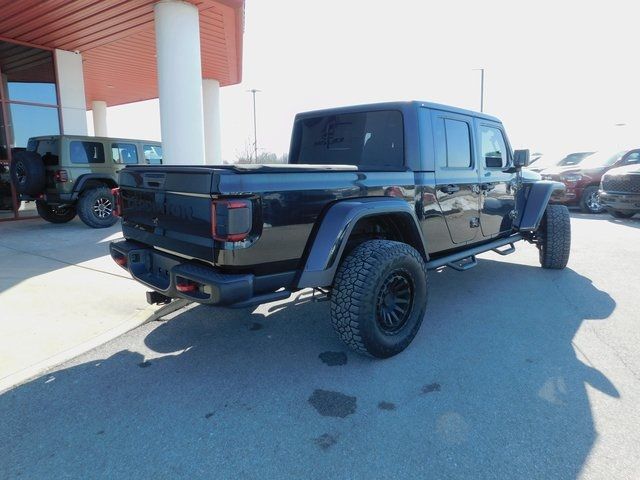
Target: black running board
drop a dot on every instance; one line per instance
(454, 260)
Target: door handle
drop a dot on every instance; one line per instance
(450, 189)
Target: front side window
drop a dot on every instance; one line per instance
(365, 139)
(494, 148)
(602, 159)
(86, 152)
(633, 157)
(152, 154)
(124, 153)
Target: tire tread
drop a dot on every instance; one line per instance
(557, 237)
(352, 289)
(85, 206)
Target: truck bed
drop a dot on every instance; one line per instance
(170, 207)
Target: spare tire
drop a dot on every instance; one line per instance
(27, 173)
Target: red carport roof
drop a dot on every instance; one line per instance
(117, 41)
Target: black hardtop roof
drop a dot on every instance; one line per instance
(90, 138)
(400, 105)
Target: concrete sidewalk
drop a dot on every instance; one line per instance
(60, 295)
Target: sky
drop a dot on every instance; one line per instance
(559, 74)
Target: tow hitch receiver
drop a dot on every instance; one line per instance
(155, 298)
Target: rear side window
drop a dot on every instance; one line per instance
(152, 154)
(124, 153)
(367, 139)
(452, 143)
(86, 152)
(494, 148)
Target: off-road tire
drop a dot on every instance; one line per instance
(584, 200)
(355, 299)
(89, 210)
(555, 237)
(27, 173)
(55, 214)
(619, 214)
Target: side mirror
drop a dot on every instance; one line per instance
(521, 158)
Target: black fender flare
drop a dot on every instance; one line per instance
(327, 245)
(535, 203)
(91, 177)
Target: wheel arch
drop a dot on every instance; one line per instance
(347, 223)
(93, 180)
(535, 204)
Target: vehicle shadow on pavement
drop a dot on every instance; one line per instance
(33, 247)
(493, 386)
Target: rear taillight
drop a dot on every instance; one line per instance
(231, 220)
(120, 259)
(117, 202)
(184, 285)
(61, 176)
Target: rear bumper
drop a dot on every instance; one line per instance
(623, 202)
(177, 277)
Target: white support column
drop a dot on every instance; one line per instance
(211, 108)
(99, 110)
(179, 82)
(71, 87)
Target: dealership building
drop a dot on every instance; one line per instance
(60, 59)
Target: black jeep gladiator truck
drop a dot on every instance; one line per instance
(373, 198)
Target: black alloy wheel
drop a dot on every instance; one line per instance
(394, 302)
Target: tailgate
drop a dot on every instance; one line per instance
(169, 207)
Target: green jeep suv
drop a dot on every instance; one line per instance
(69, 174)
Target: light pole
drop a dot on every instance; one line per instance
(253, 91)
(481, 87)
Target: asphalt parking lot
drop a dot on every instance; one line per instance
(517, 372)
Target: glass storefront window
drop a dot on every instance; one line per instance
(27, 74)
(4, 149)
(6, 198)
(28, 108)
(33, 92)
(32, 121)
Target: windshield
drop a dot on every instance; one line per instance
(602, 159)
(574, 158)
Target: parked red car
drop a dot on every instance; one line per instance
(582, 181)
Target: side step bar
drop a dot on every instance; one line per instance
(454, 259)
